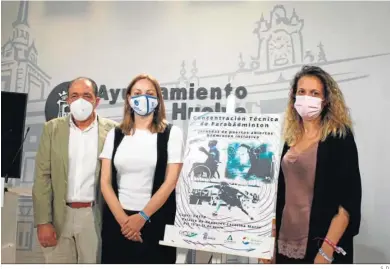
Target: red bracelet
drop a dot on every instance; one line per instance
(336, 248)
(330, 243)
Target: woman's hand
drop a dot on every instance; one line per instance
(132, 226)
(112, 200)
(136, 237)
(320, 259)
(328, 250)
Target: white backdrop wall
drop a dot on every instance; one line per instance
(257, 45)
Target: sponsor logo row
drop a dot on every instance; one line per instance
(230, 239)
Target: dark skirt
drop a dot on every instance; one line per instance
(117, 249)
(281, 259)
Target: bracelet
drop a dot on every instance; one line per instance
(336, 248)
(323, 254)
(144, 216)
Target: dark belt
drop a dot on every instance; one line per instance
(80, 204)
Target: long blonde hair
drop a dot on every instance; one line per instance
(159, 122)
(335, 118)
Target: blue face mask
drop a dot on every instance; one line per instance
(144, 104)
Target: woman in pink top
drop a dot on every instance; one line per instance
(319, 187)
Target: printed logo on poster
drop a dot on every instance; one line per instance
(246, 240)
(206, 236)
(229, 240)
(188, 234)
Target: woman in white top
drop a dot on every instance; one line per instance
(141, 163)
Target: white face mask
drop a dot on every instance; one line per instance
(81, 109)
(143, 105)
(308, 107)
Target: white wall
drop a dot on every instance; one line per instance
(113, 41)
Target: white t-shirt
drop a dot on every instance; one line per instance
(135, 161)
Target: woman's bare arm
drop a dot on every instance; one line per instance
(161, 196)
(109, 194)
(336, 230)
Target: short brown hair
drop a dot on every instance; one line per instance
(159, 122)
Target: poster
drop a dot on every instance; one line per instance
(226, 192)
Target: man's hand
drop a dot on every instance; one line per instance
(47, 235)
(132, 226)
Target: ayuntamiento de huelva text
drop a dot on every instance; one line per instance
(181, 110)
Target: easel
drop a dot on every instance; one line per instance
(182, 253)
(215, 258)
(258, 253)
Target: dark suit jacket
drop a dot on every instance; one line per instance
(337, 183)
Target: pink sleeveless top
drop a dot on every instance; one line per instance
(299, 174)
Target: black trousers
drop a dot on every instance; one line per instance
(117, 249)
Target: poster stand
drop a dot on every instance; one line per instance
(215, 257)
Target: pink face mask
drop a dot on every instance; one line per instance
(308, 107)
